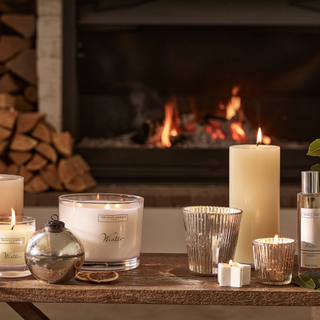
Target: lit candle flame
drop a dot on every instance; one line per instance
(13, 219)
(230, 263)
(98, 196)
(276, 239)
(107, 206)
(259, 137)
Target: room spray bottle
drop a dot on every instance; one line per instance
(308, 205)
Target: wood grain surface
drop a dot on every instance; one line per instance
(160, 279)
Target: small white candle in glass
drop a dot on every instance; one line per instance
(109, 226)
(15, 232)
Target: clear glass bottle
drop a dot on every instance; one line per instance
(308, 205)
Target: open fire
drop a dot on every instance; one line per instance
(221, 126)
(231, 127)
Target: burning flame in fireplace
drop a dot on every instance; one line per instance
(234, 104)
(214, 127)
(236, 127)
(171, 122)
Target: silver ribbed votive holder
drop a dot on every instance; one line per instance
(273, 260)
(211, 237)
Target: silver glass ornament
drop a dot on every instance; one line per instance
(53, 253)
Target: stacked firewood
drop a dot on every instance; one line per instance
(18, 79)
(30, 147)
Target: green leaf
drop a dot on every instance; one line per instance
(304, 281)
(315, 167)
(314, 148)
(314, 275)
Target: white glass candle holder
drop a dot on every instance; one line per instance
(109, 226)
(274, 260)
(13, 241)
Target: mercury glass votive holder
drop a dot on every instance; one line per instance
(108, 225)
(274, 260)
(14, 237)
(211, 237)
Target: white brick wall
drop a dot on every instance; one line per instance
(49, 60)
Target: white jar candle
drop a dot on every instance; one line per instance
(109, 226)
(13, 241)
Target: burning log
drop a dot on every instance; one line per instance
(191, 131)
(29, 147)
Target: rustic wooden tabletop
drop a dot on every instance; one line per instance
(160, 279)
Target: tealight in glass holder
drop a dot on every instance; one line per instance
(14, 237)
(211, 236)
(274, 260)
(108, 225)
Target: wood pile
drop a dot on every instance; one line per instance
(18, 78)
(30, 147)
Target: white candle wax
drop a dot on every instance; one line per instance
(109, 232)
(254, 187)
(233, 274)
(11, 194)
(13, 243)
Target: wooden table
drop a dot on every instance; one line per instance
(160, 279)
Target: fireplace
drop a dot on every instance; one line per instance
(124, 74)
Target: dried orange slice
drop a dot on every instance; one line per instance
(82, 275)
(102, 276)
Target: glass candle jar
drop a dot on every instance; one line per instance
(274, 260)
(211, 237)
(109, 226)
(14, 237)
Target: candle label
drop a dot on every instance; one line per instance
(12, 240)
(11, 255)
(310, 238)
(113, 218)
(113, 237)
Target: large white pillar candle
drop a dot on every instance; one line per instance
(11, 194)
(254, 187)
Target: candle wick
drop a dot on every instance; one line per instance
(12, 226)
(258, 143)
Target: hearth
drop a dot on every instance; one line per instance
(130, 78)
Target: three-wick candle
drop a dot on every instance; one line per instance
(109, 226)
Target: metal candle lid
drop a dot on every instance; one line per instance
(310, 181)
